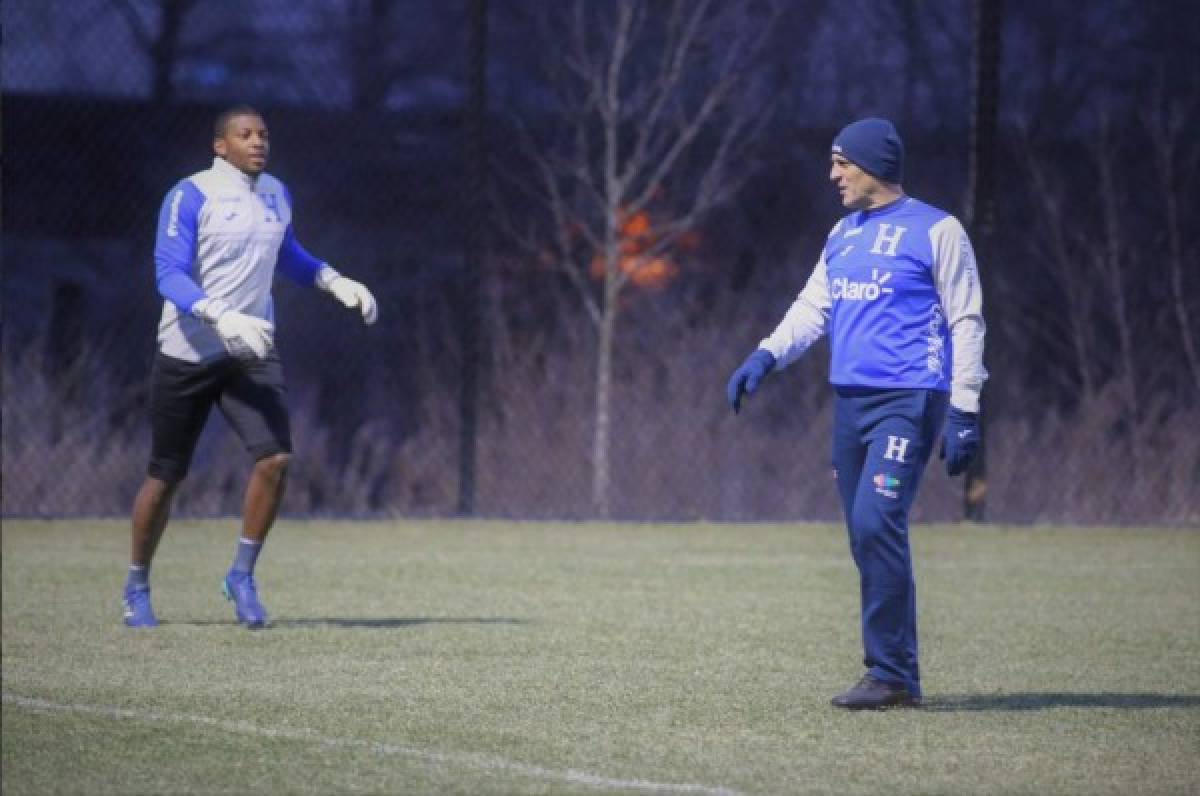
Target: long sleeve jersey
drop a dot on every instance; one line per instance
(221, 234)
(897, 290)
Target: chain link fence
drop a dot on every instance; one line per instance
(378, 163)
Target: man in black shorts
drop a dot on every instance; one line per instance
(222, 234)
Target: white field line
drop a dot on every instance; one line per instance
(462, 759)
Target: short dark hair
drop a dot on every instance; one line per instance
(231, 113)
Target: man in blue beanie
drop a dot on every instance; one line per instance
(896, 290)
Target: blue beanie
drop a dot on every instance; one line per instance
(874, 146)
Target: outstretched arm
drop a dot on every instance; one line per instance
(298, 265)
(805, 322)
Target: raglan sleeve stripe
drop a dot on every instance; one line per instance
(805, 322)
(957, 279)
(175, 246)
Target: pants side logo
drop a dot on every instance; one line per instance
(896, 446)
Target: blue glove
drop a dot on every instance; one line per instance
(745, 379)
(960, 440)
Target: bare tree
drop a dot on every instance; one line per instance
(930, 45)
(1111, 256)
(656, 111)
(379, 53)
(161, 41)
(1177, 168)
(179, 37)
(1055, 242)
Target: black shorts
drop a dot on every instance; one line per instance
(251, 396)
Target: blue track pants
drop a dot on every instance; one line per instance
(882, 440)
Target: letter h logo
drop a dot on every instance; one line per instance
(896, 447)
(887, 241)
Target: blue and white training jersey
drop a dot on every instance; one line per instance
(221, 233)
(897, 290)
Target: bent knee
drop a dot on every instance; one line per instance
(275, 465)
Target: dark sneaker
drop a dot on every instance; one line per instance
(872, 694)
(239, 587)
(138, 612)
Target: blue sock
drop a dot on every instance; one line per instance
(138, 578)
(247, 556)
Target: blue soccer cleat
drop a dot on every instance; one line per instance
(239, 587)
(138, 611)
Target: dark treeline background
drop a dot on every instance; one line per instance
(598, 321)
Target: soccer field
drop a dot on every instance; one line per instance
(481, 657)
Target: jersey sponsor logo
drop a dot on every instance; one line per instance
(173, 216)
(845, 289)
(886, 485)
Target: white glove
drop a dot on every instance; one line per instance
(244, 336)
(352, 294)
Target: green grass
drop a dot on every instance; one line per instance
(543, 658)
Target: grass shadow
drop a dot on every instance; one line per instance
(1045, 700)
(378, 623)
(339, 621)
